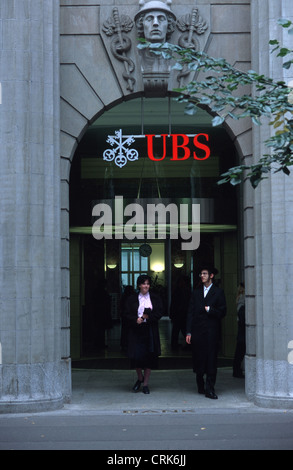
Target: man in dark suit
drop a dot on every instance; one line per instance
(206, 309)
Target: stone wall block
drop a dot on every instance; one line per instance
(30, 226)
(80, 95)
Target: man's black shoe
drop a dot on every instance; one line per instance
(211, 395)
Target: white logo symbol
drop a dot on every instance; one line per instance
(120, 154)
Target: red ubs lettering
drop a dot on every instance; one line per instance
(180, 148)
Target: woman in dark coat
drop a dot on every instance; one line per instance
(143, 311)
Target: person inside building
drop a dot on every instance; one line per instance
(178, 309)
(207, 308)
(240, 341)
(102, 311)
(143, 312)
(128, 290)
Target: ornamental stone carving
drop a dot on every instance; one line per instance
(191, 25)
(156, 23)
(117, 26)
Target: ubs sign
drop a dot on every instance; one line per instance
(183, 146)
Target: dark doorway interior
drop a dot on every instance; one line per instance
(97, 280)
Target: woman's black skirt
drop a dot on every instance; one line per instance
(144, 356)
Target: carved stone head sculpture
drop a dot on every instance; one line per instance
(155, 21)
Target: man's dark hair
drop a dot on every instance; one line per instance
(211, 269)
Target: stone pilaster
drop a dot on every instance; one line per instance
(30, 312)
(270, 375)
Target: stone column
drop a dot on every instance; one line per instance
(270, 370)
(30, 310)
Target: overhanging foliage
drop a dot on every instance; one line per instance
(230, 92)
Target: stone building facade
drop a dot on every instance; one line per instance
(61, 67)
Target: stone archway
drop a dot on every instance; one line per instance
(92, 81)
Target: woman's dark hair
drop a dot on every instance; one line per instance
(142, 278)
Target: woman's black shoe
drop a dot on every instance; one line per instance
(145, 389)
(137, 385)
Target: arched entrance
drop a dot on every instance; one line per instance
(157, 176)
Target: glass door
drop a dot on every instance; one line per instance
(132, 264)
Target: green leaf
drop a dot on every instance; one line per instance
(223, 181)
(190, 109)
(267, 109)
(233, 116)
(235, 181)
(286, 170)
(155, 45)
(205, 100)
(166, 55)
(288, 64)
(255, 121)
(283, 51)
(217, 121)
(177, 66)
(275, 48)
(284, 22)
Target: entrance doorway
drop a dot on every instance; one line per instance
(103, 268)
